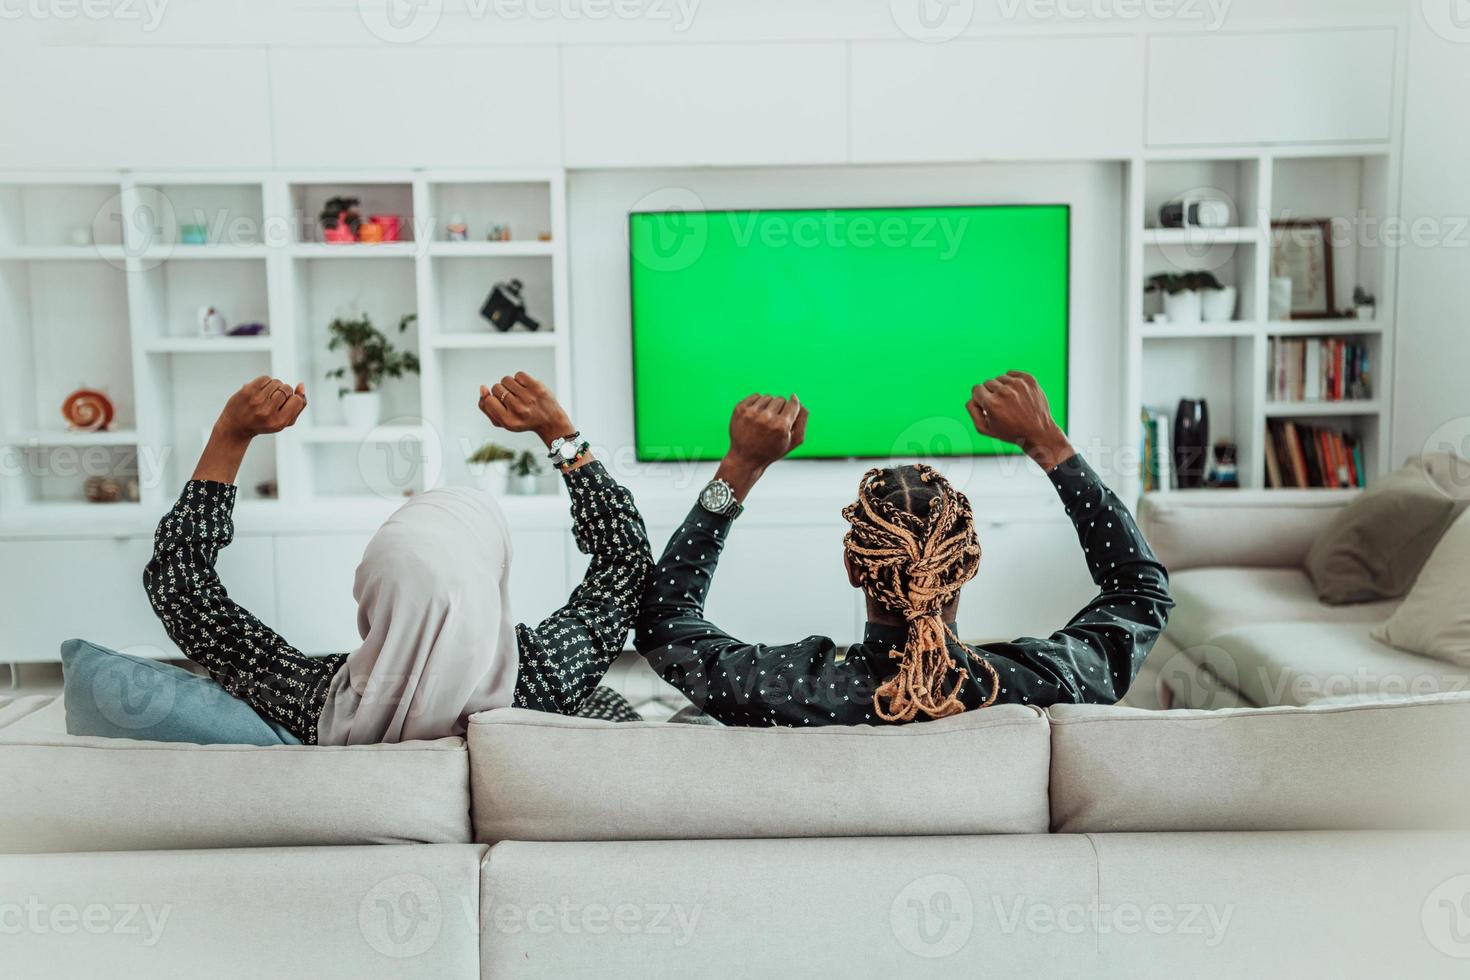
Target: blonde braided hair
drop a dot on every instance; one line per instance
(913, 546)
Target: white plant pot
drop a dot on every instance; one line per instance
(361, 410)
(491, 477)
(1366, 313)
(524, 486)
(1218, 305)
(1182, 307)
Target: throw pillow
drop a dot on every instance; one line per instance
(1434, 621)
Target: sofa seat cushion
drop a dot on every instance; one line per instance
(1378, 765)
(540, 777)
(361, 912)
(1301, 663)
(1209, 601)
(73, 793)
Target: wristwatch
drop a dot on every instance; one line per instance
(566, 449)
(718, 497)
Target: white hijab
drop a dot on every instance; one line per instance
(438, 642)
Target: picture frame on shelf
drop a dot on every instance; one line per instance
(1301, 250)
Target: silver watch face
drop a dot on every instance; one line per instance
(717, 497)
(568, 450)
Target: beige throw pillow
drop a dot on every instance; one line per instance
(1376, 546)
(1434, 621)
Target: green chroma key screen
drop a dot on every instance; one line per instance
(879, 319)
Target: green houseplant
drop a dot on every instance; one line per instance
(1190, 297)
(370, 359)
(525, 472)
(490, 467)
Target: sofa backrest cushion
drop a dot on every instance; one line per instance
(103, 794)
(1390, 764)
(540, 777)
(1189, 531)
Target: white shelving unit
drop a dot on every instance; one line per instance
(121, 315)
(1226, 363)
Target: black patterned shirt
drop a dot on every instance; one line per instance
(561, 660)
(1093, 659)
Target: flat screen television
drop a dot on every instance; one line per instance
(879, 319)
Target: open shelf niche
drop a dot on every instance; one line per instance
(100, 288)
(1227, 363)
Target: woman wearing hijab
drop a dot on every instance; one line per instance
(438, 644)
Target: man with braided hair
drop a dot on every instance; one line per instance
(911, 547)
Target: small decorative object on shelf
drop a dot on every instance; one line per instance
(457, 230)
(340, 220)
(211, 322)
(505, 307)
(88, 410)
(1365, 305)
(498, 233)
(80, 235)
(391, 225)
(1191, 442)
(490, 467)
(1190, 297)
(107, 490)
(369, 232)
(268, 490)
(370, 359)
(525, 472)
(193, 235)
(249, 330)
(1225, 474)
(1192, 211)
(545, 236)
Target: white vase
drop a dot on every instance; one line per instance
(524, 485)
(491, 477)
(1280, 298)
(1218, 305)
(1182, 307)
(361, 410)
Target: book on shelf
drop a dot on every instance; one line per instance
(1318, 369)
(1312, 456)
(1158, 466)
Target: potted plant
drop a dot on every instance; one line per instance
(1190, 297)
(340, 220)
(1365, 304)
(370, 359)
(490, 467)
(524, 473)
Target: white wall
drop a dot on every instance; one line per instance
(1432, 394)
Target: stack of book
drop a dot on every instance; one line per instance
(1158, 464)
(1299, 455)
(1316, 369)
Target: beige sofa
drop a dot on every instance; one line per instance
(1247, 628)
(1083, 841)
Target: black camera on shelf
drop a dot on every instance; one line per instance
(505, 307)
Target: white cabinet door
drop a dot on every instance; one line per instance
(705, 105)
(1004, 99)
(1289, 87)
(781, 584)
(1032, 579)
(423, 107)
(53, 590)
(147, 107)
